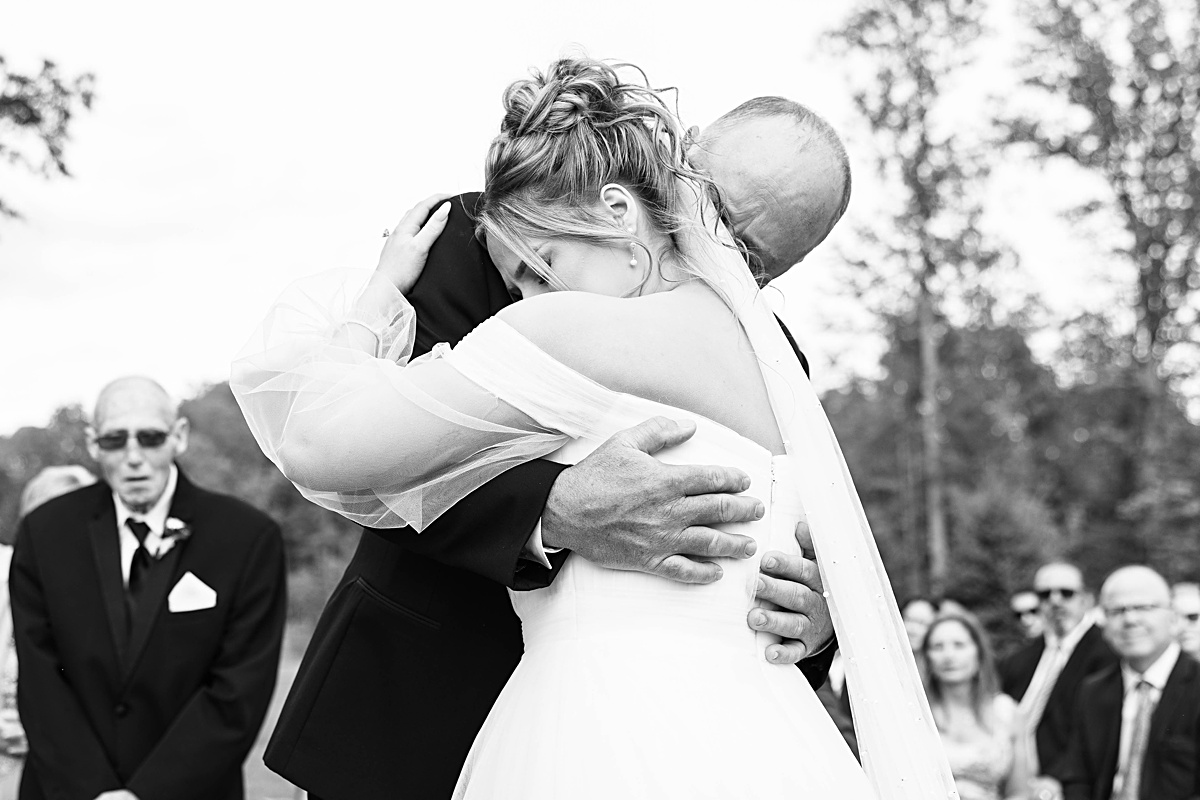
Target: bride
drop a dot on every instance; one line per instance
(633, 307)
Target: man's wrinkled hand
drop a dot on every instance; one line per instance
(622, 508)
(797, 609)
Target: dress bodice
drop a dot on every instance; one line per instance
(586, 601)
(982, 762)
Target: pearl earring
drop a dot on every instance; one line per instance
(632, 250)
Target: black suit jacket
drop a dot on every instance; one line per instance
(171, 714)
(419, 638)
(1171, 770)
(1090, 656)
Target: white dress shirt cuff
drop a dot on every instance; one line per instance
(535, 551)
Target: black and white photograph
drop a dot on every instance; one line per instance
(518, 400)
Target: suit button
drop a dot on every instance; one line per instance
(121, 710)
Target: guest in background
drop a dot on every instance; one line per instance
(1185, 599)
(148, 618)
(1026, 611)
(46, 485)
(1045, 675)
(1138, 735)
(975, 719)
(918, 614)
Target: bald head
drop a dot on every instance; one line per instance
(1139, 622)
(783, 175)
(134, 390)
(135, 435)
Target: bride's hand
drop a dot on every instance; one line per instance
(408, 245)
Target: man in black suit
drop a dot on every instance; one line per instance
(1044, 676)
(420, 636)
(1138, 734)
(148, 617)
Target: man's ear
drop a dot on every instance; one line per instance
(92, 449)
(181, 435)
(621, 204)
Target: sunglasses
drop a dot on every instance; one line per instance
(1046, 594)
(1025, 612)
(116, 440)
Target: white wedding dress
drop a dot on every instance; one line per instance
(634, 686)
(631, 685)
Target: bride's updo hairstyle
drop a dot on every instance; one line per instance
(567, 133)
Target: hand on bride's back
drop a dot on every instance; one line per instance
(407, 246)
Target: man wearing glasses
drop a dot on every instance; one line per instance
(148, 618)
(1185, 599)
(1027, 611)
(1138, 734)
(1044, 676)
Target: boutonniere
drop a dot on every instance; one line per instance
(175, 531)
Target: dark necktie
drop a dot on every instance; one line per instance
(138, 569)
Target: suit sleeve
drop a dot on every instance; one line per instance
(70, 760)
(222, 719)
(485, 532)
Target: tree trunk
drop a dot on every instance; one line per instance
(931, 425)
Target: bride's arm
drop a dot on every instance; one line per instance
(327, 391)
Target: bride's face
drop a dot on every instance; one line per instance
(578, 266)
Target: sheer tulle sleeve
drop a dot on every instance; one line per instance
(381, 441)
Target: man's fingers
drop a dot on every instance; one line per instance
(685, 570)
(787, 653)
(712, 543)
(804, 539)
(656, 434)
(780, 623)
(715, 509)
(702, 480)
(793, 570)
(786, 594)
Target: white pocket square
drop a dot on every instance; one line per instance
(191, 594)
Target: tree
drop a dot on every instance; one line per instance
(1003, 419)
(913, 47)
(35, 118)
(1126, 77)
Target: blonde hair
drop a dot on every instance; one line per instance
(565, 134)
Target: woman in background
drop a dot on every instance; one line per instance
(46, 485)
(974, 718)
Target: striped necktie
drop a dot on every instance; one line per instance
(1132, 778)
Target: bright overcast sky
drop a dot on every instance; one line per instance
(234, 146)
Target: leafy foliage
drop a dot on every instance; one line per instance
(35, 118)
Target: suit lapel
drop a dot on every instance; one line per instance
(161, 578)
(106, 550)
(1106, 715)
(1174, 699)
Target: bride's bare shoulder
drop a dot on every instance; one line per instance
(597, 335)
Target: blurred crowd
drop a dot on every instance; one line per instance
(1100, 700)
